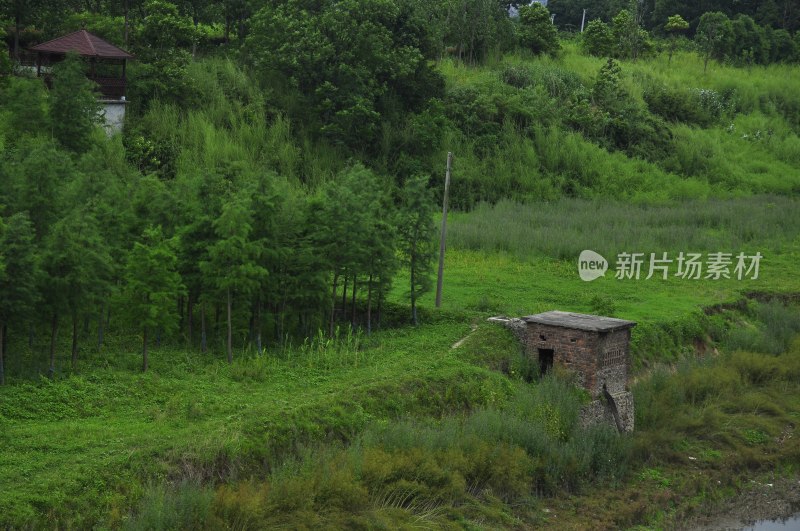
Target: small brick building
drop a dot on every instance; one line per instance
(596, 348)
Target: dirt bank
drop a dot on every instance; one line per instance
(761, 501)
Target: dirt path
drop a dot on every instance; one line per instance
(461, 341)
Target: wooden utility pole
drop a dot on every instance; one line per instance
(444, 230)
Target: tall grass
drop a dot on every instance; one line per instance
(233, 127)
(724, 410)
(183, 506)
(776, 326)
(523, 148)
(771, 89)
(419, 471)
(563, 228)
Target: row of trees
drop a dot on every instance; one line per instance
(84, 235)
(744, 42)
(740, 41)
(653, 14)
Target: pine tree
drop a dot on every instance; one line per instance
(233, 268)
(18, 271)
(337, 221)
(75, 110)
(417, 233)
(152, 285)
(77, 266)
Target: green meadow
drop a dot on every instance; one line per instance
(402, 428)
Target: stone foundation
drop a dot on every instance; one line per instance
(602, 412)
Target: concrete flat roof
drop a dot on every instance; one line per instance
(579, 321)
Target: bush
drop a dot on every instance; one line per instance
(704, 383)
(756, 369)
(517, 76)
(703, 107)
(777, 325)
(186, 506)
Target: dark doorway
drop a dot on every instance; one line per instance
(545, 360)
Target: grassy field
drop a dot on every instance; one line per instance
(108, 445)
(329, 437)
(77, 449)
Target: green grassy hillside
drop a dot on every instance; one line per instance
(445, 424)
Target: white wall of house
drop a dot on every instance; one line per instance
(114, 115)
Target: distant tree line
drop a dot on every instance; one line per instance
(774, 14)
(739, 41)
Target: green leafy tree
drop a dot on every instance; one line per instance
(199, 199)
(104, 25)
(18, 275)
(630, 40)
(674, 26)
(164, 29)
(198, 10)
(21, 12)
(344, 67)
(165, 38)
(298, 285)
(536, 32)
(26, 101)
(152, 285)
(713, 36)
(102, 184)
(369, 238)
(782, 49)
(339, 229)
(626, 125)
(39, 176)
(6, 68)
(475, 28)
(233, 267)
(417, 233)
(598, 39)
(236, 14)
(748, 42)
(75, 110)
(381, 240)
(607, 90)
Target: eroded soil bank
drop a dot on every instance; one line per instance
(762, 501)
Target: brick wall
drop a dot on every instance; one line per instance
(596, 357)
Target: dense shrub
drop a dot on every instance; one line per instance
(703, 107)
